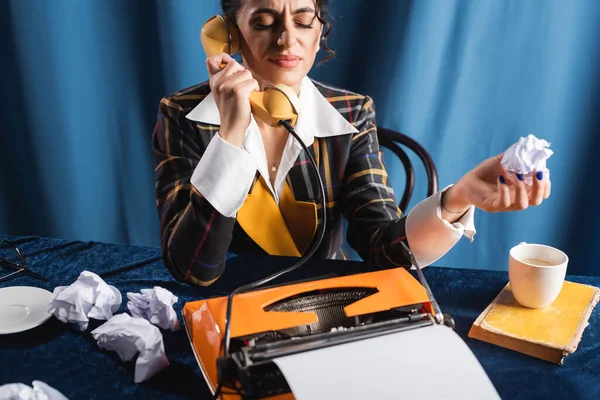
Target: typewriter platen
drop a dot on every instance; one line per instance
(288, 319)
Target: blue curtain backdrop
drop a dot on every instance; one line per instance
(81, 81)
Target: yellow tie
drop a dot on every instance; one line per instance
(284, 230)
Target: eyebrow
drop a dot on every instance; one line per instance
(275, 12)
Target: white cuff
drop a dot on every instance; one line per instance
(224, 176)
(429, 236)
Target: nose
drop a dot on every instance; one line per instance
(287, 37)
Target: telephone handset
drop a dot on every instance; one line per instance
(277, 103)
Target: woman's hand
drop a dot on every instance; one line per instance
(231, 87)
(489, 188)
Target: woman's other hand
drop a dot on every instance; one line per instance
(231, 87)
(489, 187)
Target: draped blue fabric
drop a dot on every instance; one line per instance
(81, 81)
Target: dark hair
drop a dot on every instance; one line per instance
(232, 7)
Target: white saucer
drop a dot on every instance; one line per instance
(23, 308)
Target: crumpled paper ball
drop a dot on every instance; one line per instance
(155, 305)
(39, 391)
(88, 297)
(528, 155)
(127, 336)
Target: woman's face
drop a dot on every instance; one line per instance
(281, 39)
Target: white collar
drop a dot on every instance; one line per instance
(317, 119)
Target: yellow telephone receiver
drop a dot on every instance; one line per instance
(277, 103)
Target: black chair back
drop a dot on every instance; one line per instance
(392, 140)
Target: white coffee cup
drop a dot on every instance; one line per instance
(536, 273)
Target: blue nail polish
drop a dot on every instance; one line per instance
(520, 177)
(539, 175)
(502, 180)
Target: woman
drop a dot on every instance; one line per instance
(226, 181)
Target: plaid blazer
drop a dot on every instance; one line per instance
(195, 237)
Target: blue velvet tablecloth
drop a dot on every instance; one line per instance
(71, 362)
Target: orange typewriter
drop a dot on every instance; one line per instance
(287, 319)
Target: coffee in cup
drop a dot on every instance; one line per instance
(536, 273)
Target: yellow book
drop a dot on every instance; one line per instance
(551, 333)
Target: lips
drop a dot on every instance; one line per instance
(285, 61)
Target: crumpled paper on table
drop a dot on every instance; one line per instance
(127, 336)
(88, 297)
(526, 156)
(39, 391)
(155, 305)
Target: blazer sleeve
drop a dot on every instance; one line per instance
(194, 236)
(376, 225)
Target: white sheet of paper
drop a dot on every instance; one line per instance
(424, 363)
